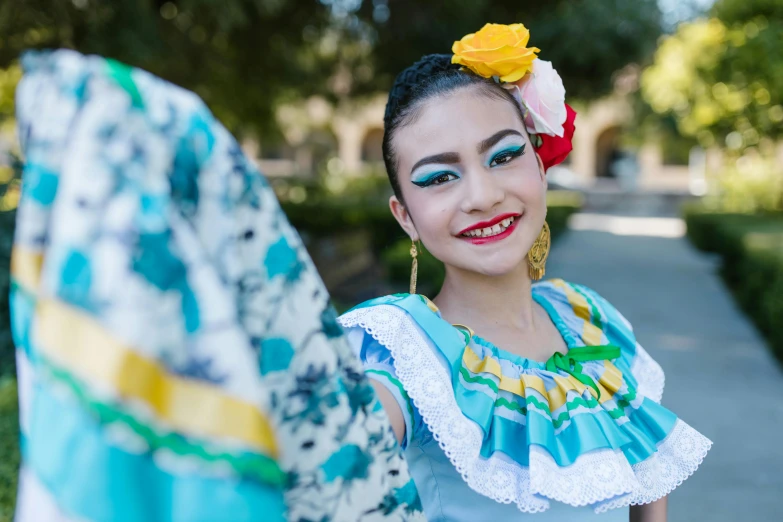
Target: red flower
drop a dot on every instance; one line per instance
(554, 149)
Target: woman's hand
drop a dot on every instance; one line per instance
(655, 512)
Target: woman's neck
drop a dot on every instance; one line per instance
(477, 299)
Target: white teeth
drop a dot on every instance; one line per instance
(491, 231)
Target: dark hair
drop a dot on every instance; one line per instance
(433, 75)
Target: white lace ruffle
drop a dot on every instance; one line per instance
(603, 478)
(649, 375)
(593, 477)
(676, 459)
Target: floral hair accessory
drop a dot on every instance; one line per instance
(496, 50)
(501, 52)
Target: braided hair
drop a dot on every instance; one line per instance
(433, 75)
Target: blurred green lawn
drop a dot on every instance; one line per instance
(9, 447)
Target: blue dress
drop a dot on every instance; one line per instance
(490, 435)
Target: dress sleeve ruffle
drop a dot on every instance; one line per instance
(379, 367)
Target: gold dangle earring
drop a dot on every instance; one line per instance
(414, 266)
(536, 257)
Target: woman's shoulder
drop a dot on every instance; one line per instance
(405, 301)
(385, 318)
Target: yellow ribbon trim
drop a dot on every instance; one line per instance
(536, 383)
(512, 385)
(78, 343)
(609, 383)
(430, 304)
(612, 378)
(591, 334)
(26, 267)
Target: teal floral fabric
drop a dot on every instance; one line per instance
(142, 218)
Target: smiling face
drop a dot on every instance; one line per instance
(473, 188)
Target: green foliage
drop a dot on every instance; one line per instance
(239, 55)
(9, 447)
(9, 77)
(329, 218)
(750, 184)
(9, 196)
(751, 250)
(722, 77)
(7, 350)
(246, 56)
(587, 40)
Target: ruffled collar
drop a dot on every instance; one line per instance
(520, 432)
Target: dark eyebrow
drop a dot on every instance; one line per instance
(492, 140)
(445, 157)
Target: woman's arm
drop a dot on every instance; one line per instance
(392, 409)
(655, 512)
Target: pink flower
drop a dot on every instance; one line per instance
(542, 96)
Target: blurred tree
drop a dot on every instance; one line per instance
(586, 40)
(9, 196)
(244, 56)
(239, 55)
(722, 78)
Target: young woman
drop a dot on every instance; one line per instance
(509, 397)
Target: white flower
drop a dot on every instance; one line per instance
(542, 96)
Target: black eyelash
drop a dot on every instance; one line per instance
(511, 154)
(431, 181)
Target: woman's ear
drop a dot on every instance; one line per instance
(402, 216)
(541, 169)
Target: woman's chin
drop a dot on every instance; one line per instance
(497, 267)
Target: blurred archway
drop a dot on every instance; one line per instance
(372, 146)
(606, 151)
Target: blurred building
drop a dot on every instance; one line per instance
(347, 140)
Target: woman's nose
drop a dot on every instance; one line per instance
(482, 192)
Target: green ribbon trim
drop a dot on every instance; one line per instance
(399, 386)
(464, 333)
(569, 362)
(595, 316)
(478, 379)
(249, 465)
(574, 403)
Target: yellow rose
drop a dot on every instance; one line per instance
(496, 50)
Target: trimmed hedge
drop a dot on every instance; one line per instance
(751, 251)
(9, 447)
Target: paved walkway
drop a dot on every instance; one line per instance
(720, 377)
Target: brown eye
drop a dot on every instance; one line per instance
(503, 158)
